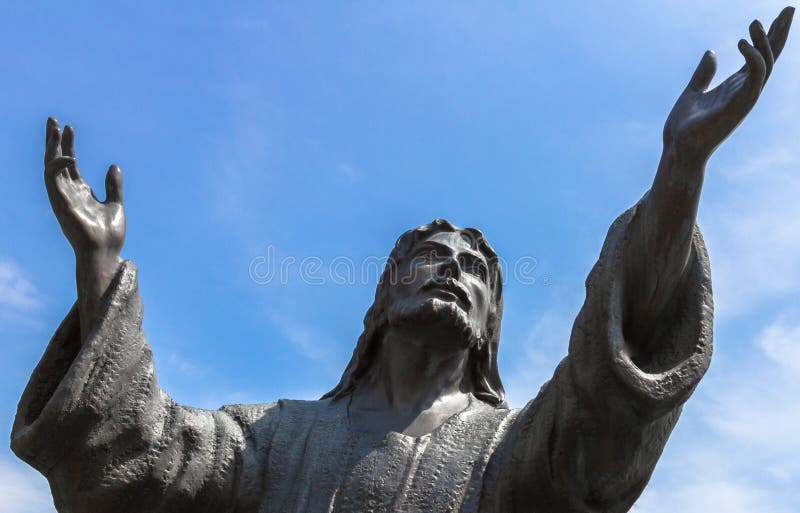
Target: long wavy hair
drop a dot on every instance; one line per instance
(482, 364)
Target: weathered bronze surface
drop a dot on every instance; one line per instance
(418, 422)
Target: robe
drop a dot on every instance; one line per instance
(95, 422)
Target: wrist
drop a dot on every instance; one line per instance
(97, 263)
(94, 271)
(679, 162)
(685, 155)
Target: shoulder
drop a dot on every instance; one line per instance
(250, 414)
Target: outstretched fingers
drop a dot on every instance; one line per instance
(114, 185)
(704, 72)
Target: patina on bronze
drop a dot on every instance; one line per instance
(418, 422)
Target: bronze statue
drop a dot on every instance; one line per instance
(418, 422)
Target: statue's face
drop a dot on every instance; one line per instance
(442, 287)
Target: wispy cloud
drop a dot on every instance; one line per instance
(541, 350)
(781, 342)
(754, 232)
(17, 293)
(23, 490)
(759, 404)
(308, 341)
(182, 365)
(710, 494)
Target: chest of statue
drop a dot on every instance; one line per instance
(314, 462)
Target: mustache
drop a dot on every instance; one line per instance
(450, 285)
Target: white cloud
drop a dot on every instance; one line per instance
(781, 342)
(306, 340)
(745, 459)
(759, 404)
(23, 490)
(182, 365)
(710, 494)
(542, 349)
(754, 232)
(17, 293)
(718, 474)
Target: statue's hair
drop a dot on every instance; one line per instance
(482, 364)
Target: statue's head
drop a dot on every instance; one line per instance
(445, 281)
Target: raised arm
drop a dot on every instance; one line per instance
(643, 338)
(661, 229)
(95, 229)
(93, 418)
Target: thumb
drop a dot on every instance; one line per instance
(114, 185)
(704, 73)
(779, 30)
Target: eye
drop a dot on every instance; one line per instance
(475, 267)
(426, 255)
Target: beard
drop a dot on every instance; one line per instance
(434, 317)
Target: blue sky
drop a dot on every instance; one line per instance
(324, 130)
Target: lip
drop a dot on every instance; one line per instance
(447, 291)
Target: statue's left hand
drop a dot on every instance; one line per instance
(701, 119)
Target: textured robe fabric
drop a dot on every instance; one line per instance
(94, 421)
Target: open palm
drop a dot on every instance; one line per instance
(89, 224)
(701, 119)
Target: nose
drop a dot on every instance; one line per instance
(449, 268)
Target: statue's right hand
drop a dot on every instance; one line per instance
(702, 118)
(95, 229)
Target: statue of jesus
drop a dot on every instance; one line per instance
(418, 422)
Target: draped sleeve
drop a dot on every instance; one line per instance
(94, 421)
(591, 438)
